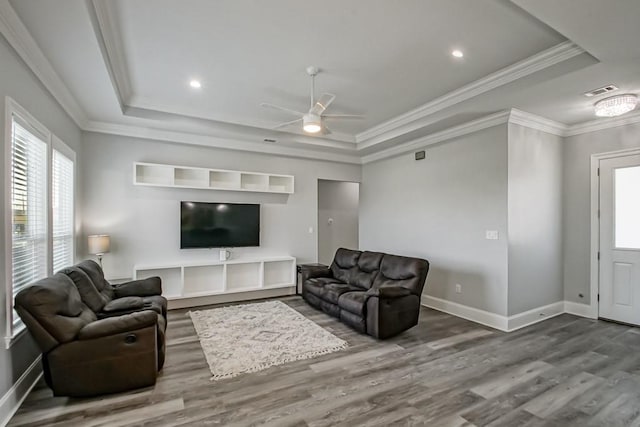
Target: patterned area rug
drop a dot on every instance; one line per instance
(253, 337)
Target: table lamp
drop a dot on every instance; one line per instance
(99, 244)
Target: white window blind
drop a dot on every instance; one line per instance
(29, 208)
(62, 210)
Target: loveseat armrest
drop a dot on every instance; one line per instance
(139, 288)
(388, 292)
(116, 325)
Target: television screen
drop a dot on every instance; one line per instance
(219, 225)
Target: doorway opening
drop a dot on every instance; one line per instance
(338, 204)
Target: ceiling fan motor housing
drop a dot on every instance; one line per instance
(311, 123)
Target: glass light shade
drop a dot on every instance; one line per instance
(616, 105)
(311, 123)
(99, 244)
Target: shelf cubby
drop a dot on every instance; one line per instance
(191, 177)
(277, 273)
(254, 182)
(205, 278)
(280, 184)
(241, 276)
(154, 174)
(227, 180)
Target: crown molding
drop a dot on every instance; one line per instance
(533, 121)
(453, 132)
(602, 124)
(105, 26)
(217, 142)
(407, 122)
(12, 28)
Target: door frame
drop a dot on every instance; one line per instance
(594, 308)
(317, 224)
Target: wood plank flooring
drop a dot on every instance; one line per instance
(566, 371)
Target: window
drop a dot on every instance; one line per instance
(28, 209)
(627, 207)
(40, 204)
(62, 210)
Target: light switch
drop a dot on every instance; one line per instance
(310, 230)
(491, 234)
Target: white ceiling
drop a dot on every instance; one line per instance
(128, 62)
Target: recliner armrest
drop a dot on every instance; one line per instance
(389, 292)
(124, 303)
(315, 271)
(119, 324)
(139, 288)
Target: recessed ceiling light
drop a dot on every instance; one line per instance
(457, 53)
(195, 84)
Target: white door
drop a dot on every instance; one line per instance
(620, 239)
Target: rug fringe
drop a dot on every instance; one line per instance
(263, 366)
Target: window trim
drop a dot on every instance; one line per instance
(13, 109)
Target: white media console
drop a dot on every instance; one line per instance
(188, 280)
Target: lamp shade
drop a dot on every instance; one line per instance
(99, 244)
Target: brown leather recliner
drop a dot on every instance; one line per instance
(373, 292)
(108, 300)
(81, 354)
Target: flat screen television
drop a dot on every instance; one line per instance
(219, 225)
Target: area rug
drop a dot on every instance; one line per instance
(252, 337)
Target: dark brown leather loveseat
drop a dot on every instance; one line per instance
(87, 353)
(373, 292)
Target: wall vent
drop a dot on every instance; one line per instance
(601, 91)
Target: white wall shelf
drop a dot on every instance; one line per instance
(157, 175)
(237, 276)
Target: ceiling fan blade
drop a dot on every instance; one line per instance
(285, 124)
(322, 104)
(286, 110)
(342, 116)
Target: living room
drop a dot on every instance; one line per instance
(483, 138)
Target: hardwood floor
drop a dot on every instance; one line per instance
(566, 371)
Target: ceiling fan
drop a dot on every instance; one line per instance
(312, 120)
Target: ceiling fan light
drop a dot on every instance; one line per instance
(311, 123)
(615, 105)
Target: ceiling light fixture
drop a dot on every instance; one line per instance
(311, 123)
(195, 84)
(615, 105)
(457, 53)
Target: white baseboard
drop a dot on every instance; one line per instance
(13, 398)
(508, 323)
(483, 317)
(535, 315)
(578, 309)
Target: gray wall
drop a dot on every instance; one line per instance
(337, 201)
(144, 221)
(17, 81)
(577, 201)
(535, 219)
(439, 209)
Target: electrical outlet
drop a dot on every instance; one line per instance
(491, 234)
(458, 288)
(310, 230)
